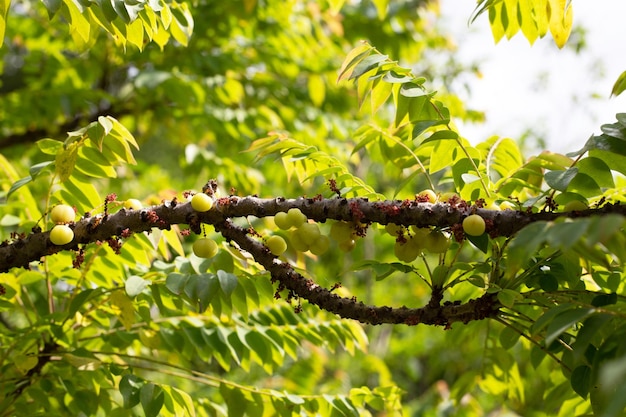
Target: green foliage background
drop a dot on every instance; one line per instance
(274, 98)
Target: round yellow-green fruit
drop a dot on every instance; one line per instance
(575, 205)
(201, 202)
(430, 194)
(276, 245)
(309, 232)
(296, 217)
(436, 242)
(474, 225)
(61, 234)
(282, 220)
(133, 204)
(407, 251)
(205, 248)
(320, 245)
(394, 230)
(347, 246)
(62, 214)
(341, 231)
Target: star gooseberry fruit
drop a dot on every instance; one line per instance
(62, 214)
(575, 205)
(474, 225)
(296, 217)
(61, 235)
(276, 245)
(201, 202)
(282, 220)
(133, 204)
(427, 195)
(205, 248)
(436, 242)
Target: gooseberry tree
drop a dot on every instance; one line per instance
(502, 275)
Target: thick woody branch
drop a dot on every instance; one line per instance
(22, 251)
(350, 308)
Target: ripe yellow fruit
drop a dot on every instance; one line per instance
(296, 217)
(394, 230)
(297, 243)
(61, 235)
(407, 251)
(347, 245)
(276, 245)
(474, 225)
(320, 245)
(309, 232)
(282, 220)
(436, 242)
(205, 248)
(428, 194)
(575, 205)
(62, 214)
(201, 202)
(341, 231)
(133, 204)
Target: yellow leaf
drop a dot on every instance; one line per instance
(122, 306)
(4, 9)
(26, 362)
(66, 160)
(317, 89)
(561, 18)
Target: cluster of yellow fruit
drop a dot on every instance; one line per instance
(417, 240)
(204, 247)
(304, 237)
(61, 233)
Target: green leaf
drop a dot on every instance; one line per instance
(524, 245)
(565, 321)
(559, 180)
(135, 285)
(367, 64)
(152, 398)
(581, 380)
(508, 297)
(509, 337)
(129, 387)
(65, 161)
(596, 169)
(228, 282)
(601, 300)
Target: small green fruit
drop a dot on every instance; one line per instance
(61, 235)
(394, 230)
(62, 214)
(575, 205)
(407, 251)
(282, 221)
(205, 248)
(341, 231)
(309, 232)
(276, 245)
(474, 225)
(133, 204)
(347, 246)
(201, 202)
(436, 242)
(296, 217)
(427, 196)
(297, 243)
(320, 245)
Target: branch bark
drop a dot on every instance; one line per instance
(22, 251)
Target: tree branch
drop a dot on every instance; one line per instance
(23, 251)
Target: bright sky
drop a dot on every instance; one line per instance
(563, 97)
